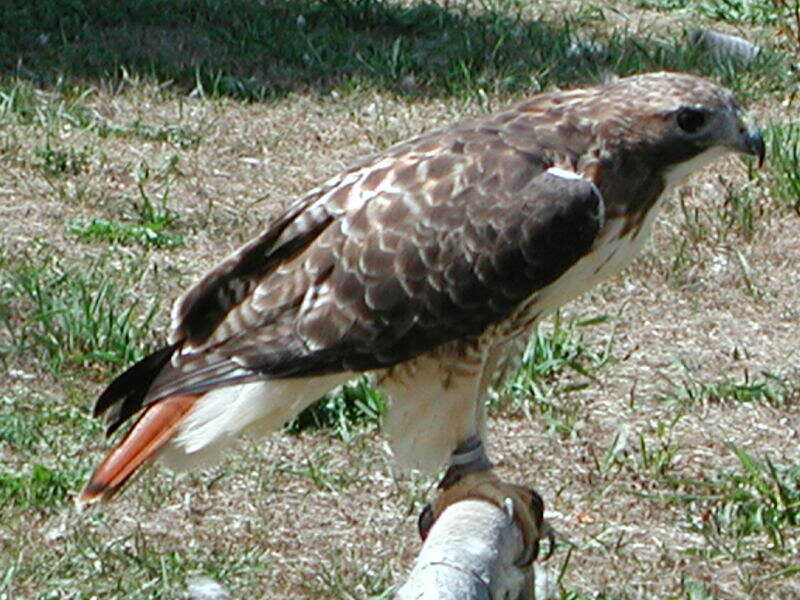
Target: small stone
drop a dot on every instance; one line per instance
(370, 110)
(205, 588)
(409, 82)
(724, 47)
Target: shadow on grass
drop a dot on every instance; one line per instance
(261, 50)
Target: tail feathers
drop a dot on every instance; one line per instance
(154, 428)
(125, 395)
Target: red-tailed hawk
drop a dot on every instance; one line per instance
(422, 264)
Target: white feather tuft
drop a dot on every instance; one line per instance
(430, 414)
(221, 415)
(677, 174)
(565, 174)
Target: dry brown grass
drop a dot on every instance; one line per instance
(313, 516)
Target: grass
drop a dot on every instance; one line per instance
(746, 511)
(29, 426)
(651, 454)
(37, 486)
(142, 141)
(70, 315)
(732, 11)
(147, 232)
(342, 582)
(556, 363)
(784, 144)
(555, 349)
(740, 216)
(345, 412)
(768, 388)
(150, 225)
(61, 162)
(257, 52)
(159, 575)
(175, 135)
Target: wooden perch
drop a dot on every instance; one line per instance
(469, 555)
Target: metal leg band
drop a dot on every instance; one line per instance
(468, 457)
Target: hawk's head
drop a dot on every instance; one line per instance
(681, 121)
(654, 130)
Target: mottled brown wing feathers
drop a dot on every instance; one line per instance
(396, 289)
(430, 242)
(205, 305)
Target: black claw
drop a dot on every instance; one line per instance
(529, 555)
(425, 521)
(451, 477)
(537, 505)
(551, 540)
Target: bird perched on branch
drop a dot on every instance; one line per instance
(422, 264)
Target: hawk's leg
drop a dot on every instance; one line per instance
(470, 475)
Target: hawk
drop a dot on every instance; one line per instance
(422, 265)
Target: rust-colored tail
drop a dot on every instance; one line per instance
(154, 428)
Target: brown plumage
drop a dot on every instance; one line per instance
(421, 264)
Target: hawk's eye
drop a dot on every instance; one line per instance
(691, 120)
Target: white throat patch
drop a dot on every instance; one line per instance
(676, 175)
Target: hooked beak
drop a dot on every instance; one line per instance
(750, 141)
(754, 144)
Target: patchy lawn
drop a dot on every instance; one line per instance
(659, 416)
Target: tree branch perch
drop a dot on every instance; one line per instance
(469, 555)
